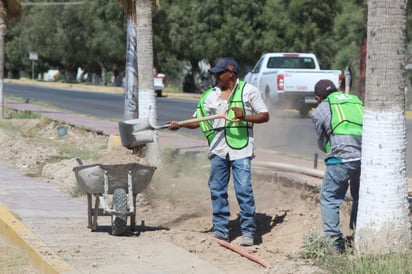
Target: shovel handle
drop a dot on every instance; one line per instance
(222, 115)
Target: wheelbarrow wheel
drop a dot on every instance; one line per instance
(119, 223)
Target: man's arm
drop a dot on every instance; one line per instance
(174, 125)
(257, 118)
(319, 118)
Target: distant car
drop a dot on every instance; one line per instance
(159, 80)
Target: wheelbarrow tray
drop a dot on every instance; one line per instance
(90, 178)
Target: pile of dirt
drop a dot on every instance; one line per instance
(177, 199)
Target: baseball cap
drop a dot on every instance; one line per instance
(324, 87)
(224, 64)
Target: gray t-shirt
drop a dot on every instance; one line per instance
(346, 147)
(253, 104)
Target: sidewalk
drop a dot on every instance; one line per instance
(42, 206)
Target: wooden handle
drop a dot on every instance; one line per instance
(201, 119)
(222, 115)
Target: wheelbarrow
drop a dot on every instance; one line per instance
(121, 182)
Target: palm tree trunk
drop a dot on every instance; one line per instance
(144, 49)
(3, 14)
(130, 85)
(383, 223)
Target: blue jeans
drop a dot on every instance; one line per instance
(218, 185)
(336, 181)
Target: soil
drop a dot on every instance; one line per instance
(175, 209)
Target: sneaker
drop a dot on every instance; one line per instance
(218, 235)
(246, 241)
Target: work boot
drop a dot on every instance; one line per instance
(218, 235)
(340, 245)
(247, 241)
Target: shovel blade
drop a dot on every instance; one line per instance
(135, 132)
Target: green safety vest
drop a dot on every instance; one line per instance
(346, 115)
(236, 133)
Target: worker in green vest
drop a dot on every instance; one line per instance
(231, 145)
(338, 121)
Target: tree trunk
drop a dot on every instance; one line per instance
(383, 223)
(3, 14)
(144, 49)
(130, 85)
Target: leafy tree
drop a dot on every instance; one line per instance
(185, 32)
(165, 58)
(305, 26)
(197, 30)
(89, 36)
(17, 57)
(8, 9)
(41, 32)
(207, 30)
(349, 32)
(105, 30)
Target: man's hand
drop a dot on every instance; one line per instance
(173, 125)
(238, 113)
(260, 117)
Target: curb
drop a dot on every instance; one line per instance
(40, 255)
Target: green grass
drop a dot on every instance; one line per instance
(371, 264)
(77, 192)
(316, 247)
(67, 149)
(321, 251)
(70, 151)
(25, 115)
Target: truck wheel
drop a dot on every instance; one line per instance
(119, 223)
(158, 93)
(304, 111)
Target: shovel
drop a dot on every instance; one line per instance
(139, 131)
(222, 115)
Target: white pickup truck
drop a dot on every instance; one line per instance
(288, 79)
(158, 82)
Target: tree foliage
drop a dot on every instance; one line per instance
(93, 35)
(92, 38)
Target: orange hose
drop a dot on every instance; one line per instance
(240, 251)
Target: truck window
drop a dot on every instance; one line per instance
(256, 69)
(291, 63)
(307, 63)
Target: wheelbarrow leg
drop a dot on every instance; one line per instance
(95, 212)
(89, 210)
(133, 216)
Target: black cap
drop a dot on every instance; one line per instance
(225, 64)
(324, 87)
